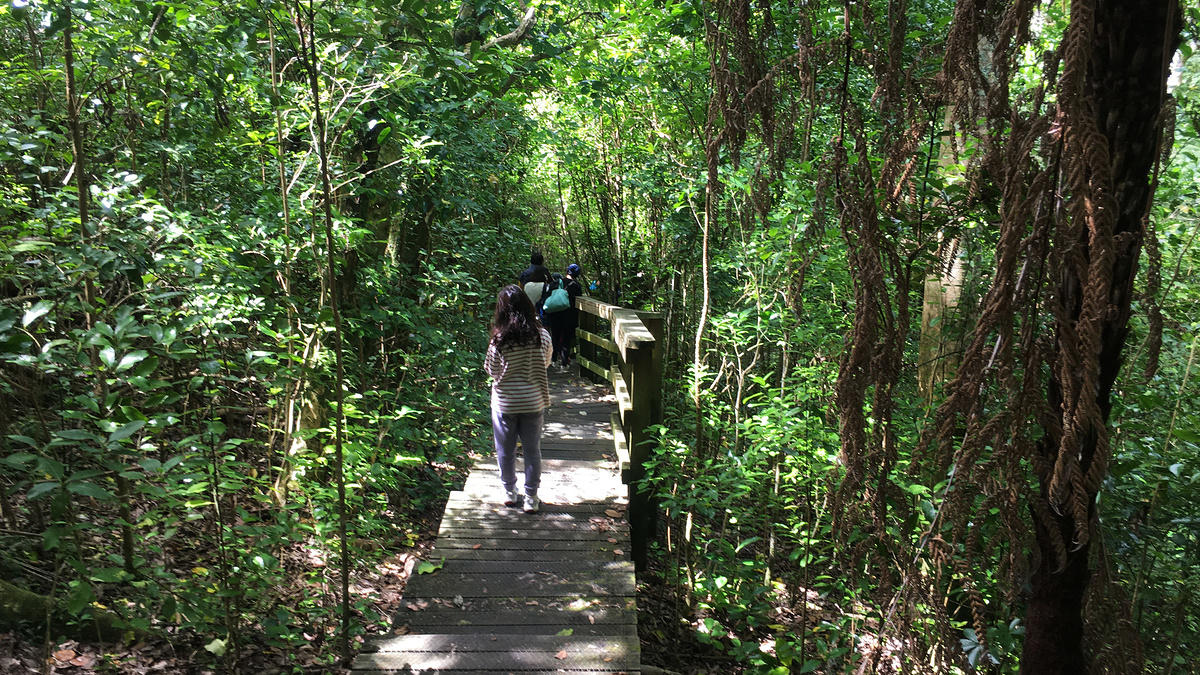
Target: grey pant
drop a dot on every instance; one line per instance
(528, 427)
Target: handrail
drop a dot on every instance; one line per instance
(635, 371)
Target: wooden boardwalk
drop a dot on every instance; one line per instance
(520, 594)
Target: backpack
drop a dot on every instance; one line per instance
(558, 300)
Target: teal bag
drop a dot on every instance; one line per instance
(558, 300)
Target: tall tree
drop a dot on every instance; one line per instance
(1076, 214)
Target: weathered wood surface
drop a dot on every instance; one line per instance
(551, 592)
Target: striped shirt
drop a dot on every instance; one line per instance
(518, 374)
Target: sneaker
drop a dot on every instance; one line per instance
(531, 504)
(512, 498)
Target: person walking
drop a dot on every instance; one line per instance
(555, 305)
(518, 354)
(571, 320)
(534, 278)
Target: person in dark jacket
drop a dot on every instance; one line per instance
(534, 279)
(537, 270)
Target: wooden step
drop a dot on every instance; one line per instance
(448, 653)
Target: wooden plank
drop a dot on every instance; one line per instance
(466, 627)
(624, 402)
(553, 494)
(562, 453)
(493, 671)
(500, 532)
(527, 585)
(557, 465)
(630, 333)
(506, 656)
(490, 479)
(527, 526)
(516, 555)
(555, 497)
(615, 647)
(601, 521)
(538, 567)
(522, 614)
(484, 521)
(587, 303)
(524, 545)
(591, 337)
(596, 368)
(501, 603)
(465, 503)
(620, 447)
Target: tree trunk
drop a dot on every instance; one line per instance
(19, 609)
(1131, 44)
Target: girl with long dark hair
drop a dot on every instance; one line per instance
(518, 354)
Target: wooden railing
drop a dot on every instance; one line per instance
(628, 354)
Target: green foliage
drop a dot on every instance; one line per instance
(166, 377)
(165, 372)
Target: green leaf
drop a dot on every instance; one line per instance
(217, 647)
(1186, 435)
(75, 435)
(89, 490)
(23, 439)
(565, 632)
(19, 459)
(80, 597)
(125, 431)
(108, 575)
(52, 535)
(131, 359)
(41, 489)
(38, 311)
(430, 567)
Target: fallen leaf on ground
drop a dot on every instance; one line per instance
(607, 659)
(612, 540)
(562, 654)
(64, 654)
(413, 607)
(613, 513)
(477, 546)
(532, 602)
(591, 619)
(618, 551)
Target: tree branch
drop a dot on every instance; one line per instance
(518, 34)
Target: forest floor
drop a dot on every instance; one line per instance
(667, 641)
(380, 585)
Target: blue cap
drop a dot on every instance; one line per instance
(573, 269)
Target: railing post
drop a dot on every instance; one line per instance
(644, 376)
(587, 322)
